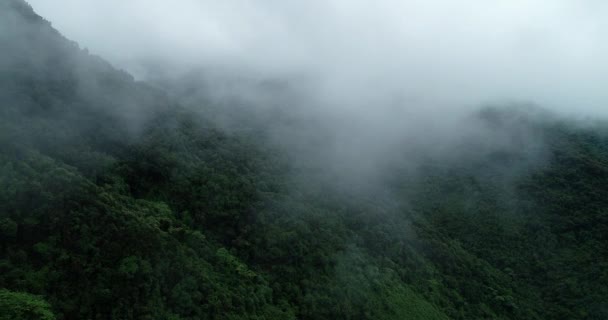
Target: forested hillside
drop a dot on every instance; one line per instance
(121, 201)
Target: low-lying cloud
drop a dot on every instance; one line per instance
(379, 79)
(424, 53)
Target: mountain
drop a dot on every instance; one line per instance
(121, 200)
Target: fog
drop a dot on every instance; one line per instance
(430, 54)
(377, 75)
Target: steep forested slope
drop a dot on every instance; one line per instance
(118, 203)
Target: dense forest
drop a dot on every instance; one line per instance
(123, 200)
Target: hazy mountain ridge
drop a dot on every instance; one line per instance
(117, 202)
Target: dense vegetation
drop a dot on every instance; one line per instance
(116, 202)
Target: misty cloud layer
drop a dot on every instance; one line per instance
(368, 83)
(431, 54)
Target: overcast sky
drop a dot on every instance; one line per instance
(430, 52)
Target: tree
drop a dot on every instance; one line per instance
(23, 306)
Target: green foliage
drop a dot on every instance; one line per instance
(23, 306)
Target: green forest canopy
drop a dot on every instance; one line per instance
(109, 214)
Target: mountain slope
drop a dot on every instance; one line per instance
(118, 203)
(71, 229)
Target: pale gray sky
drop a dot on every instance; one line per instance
(431, 52)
